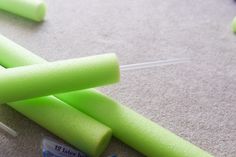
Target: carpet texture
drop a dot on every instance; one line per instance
(195, 100)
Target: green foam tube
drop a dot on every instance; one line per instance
(133, 129)
(130, 127)
(57, 77)
(75, 127)
(32, 9)
(234, 25)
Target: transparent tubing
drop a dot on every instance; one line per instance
(8, 129)
(145, 65)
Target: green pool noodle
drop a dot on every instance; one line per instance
(75, 127)
(58, 77)
(130, 127)
(133, 129)
(32, 9)
(234, 25)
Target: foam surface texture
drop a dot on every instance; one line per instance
(57, 77)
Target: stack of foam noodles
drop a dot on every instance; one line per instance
(83, 117)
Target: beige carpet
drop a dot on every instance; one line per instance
(196, 100)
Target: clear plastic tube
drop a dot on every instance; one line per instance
(8, 129)
(145, 65)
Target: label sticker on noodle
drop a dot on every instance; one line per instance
(54, 149)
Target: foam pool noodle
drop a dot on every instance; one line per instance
(234, 25)
(75, 127)
(133, 129)
(58, 77)
(32, 9)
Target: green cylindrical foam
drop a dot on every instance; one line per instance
(75, 127)
(57, 77)
(32, 9)
(234, 25)
(133, 129)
